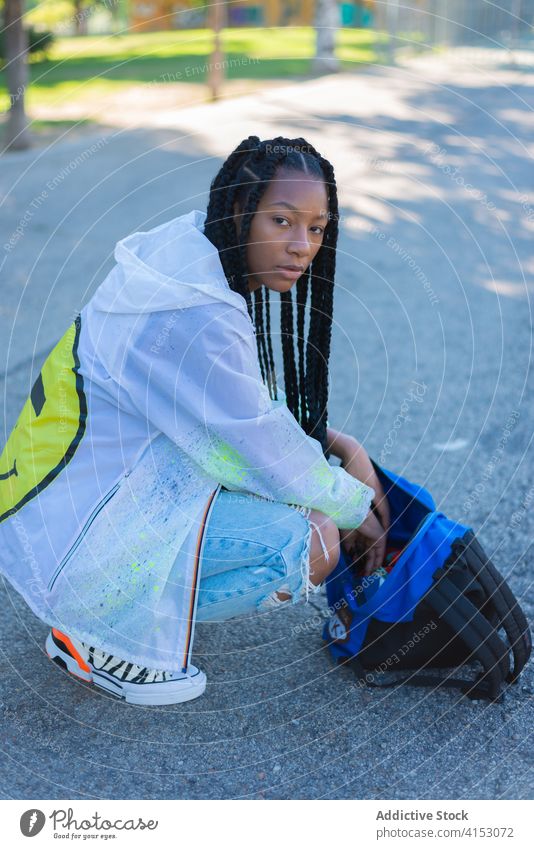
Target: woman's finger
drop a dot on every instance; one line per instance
(381, 502)
(371, 562)
(376, 556)
(383, 513)
(370, 566)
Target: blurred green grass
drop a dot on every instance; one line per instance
(88, 67)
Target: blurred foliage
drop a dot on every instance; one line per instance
(49, 14)
(46, 14)
(39, 44)
(86, 69)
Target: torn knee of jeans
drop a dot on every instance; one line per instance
(273, 599)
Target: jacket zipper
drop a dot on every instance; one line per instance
(82, 533)
(198, 558)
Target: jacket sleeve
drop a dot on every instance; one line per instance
(197, 379)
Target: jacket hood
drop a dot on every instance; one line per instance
(172, 266)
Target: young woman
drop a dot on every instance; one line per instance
(158, 475)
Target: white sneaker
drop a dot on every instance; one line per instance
(135, 684)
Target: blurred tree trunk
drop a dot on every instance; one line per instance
(119, 15)
(217, 13)
(326, 25)
(17, 135)
(80, 17)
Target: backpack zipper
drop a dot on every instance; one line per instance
(82, 533)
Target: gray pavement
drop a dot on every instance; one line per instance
(434, 286)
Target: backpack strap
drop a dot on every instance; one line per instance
(385, 680)
(511, 617)
(465, 583)
(474, 630)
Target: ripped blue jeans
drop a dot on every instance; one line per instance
(252, 549)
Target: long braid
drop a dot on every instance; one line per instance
(303, 284)
(319, 342)
(243, 179)
(219, 226)
(272, 370)
(260, 335)
(288, 352)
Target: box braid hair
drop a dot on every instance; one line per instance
(244, 178)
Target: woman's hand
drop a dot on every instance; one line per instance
(369, 539)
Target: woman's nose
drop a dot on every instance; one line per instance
(300, 244)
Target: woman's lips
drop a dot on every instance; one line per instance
(289, 273)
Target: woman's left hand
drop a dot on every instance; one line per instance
(357, 463)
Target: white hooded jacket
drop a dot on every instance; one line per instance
(151, 401)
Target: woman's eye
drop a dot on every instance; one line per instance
(281, 218)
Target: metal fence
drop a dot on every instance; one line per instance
(480, 23)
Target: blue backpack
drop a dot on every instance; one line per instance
(438, 601)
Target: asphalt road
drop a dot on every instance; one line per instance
(435, 264)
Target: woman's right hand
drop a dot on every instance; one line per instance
(366, 541)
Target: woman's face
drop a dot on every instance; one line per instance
(286, 230)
